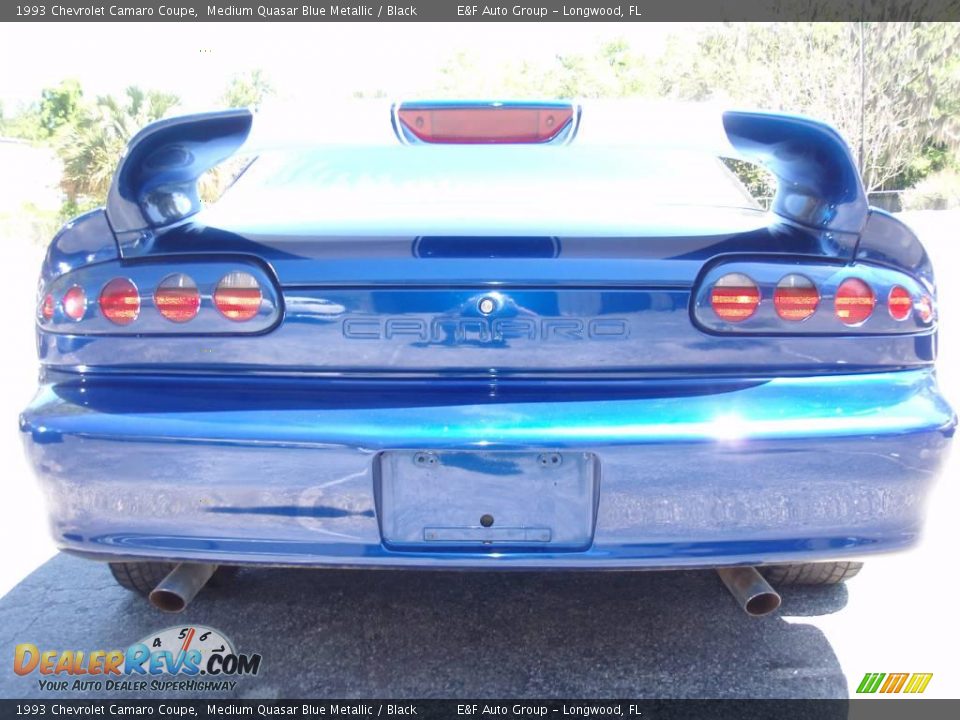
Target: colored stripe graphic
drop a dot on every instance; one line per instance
(894, 683)
(870, 682)
(918, 682)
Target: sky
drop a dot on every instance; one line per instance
(196, 60)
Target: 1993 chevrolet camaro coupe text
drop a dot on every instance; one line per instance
(487, 335)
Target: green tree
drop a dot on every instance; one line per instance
(248, 89)
(60, 106)
(23, 124)
(910, 84)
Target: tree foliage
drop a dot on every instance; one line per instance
(91, 147)
(615, 70)
(910, 83)
(91, 136)
(60, 106)
(905, 124)
(248, 89)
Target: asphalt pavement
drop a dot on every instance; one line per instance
(363, 633)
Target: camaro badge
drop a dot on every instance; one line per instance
(449, 330)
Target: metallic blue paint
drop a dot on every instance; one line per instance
(818, 181)
(692, 472)
(585, 331)
(887, 241)
(85, 240)
(265, 442)
(156, 183)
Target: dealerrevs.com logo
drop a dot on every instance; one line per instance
(175, 659)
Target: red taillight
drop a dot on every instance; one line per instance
(177, 298)
(854, 302)
(485, 124)
(238, 296)
(120, 301)
(74, 303)
(796, 298)
(47, 307)
(899, 303)
(735, 297)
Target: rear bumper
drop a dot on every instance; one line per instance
(691, 473)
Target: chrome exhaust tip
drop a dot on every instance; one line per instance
(750, 590)
(177, 589)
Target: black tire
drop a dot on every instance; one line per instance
(142, 577)
(826, 573)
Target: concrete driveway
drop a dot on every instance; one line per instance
(637, 635)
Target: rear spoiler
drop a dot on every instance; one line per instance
(156, 182)
(818, 183)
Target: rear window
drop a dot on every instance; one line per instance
(478, 190)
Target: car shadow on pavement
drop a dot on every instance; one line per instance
(412, 634)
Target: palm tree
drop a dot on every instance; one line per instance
(91, 148)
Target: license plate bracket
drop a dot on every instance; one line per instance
(487, 500)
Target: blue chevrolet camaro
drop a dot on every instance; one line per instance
(487, 335)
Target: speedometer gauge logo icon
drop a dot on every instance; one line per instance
(189, 650)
